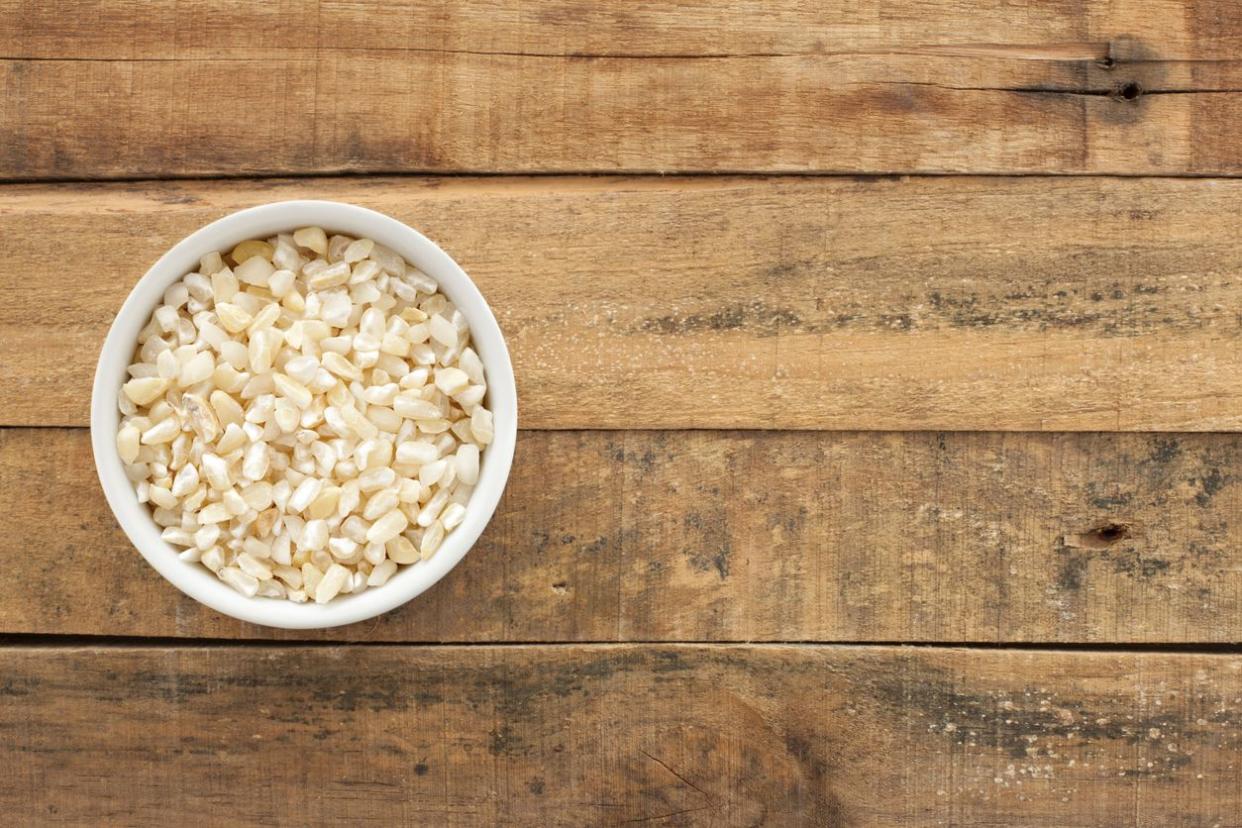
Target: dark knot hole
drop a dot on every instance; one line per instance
(1105, 535)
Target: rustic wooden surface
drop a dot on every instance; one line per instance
(779, 421)
(736, 536)
(932, 303)
(668, 735)
(1136, 86)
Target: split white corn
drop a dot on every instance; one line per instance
(381, 573)
(206, 537)
(452, 516)
(443, 331)
(330, 585)
(306, 421)
(127, 443)
(247, 585)
(468, 464)
(144, 391)
(216, 469)
(401, 550)
(388, 527)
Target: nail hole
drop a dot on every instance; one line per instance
(1106, 62)
(1130, 91)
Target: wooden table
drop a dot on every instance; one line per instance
(878, 366)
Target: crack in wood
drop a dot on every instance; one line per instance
(670, 769)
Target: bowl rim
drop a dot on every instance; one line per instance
(260, 222)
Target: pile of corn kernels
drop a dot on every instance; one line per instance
(304, 415)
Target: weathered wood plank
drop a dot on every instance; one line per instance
(682, 735)
(948, 303)
(723, 536)
(165, 89)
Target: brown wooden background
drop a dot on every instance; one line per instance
(878, 366)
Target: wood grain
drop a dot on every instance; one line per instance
(678, 735)
(967, 315)
(946, 303)
(218, 88)
(727, 536)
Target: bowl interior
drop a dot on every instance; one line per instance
(261, 222)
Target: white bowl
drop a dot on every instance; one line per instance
(196, 580)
